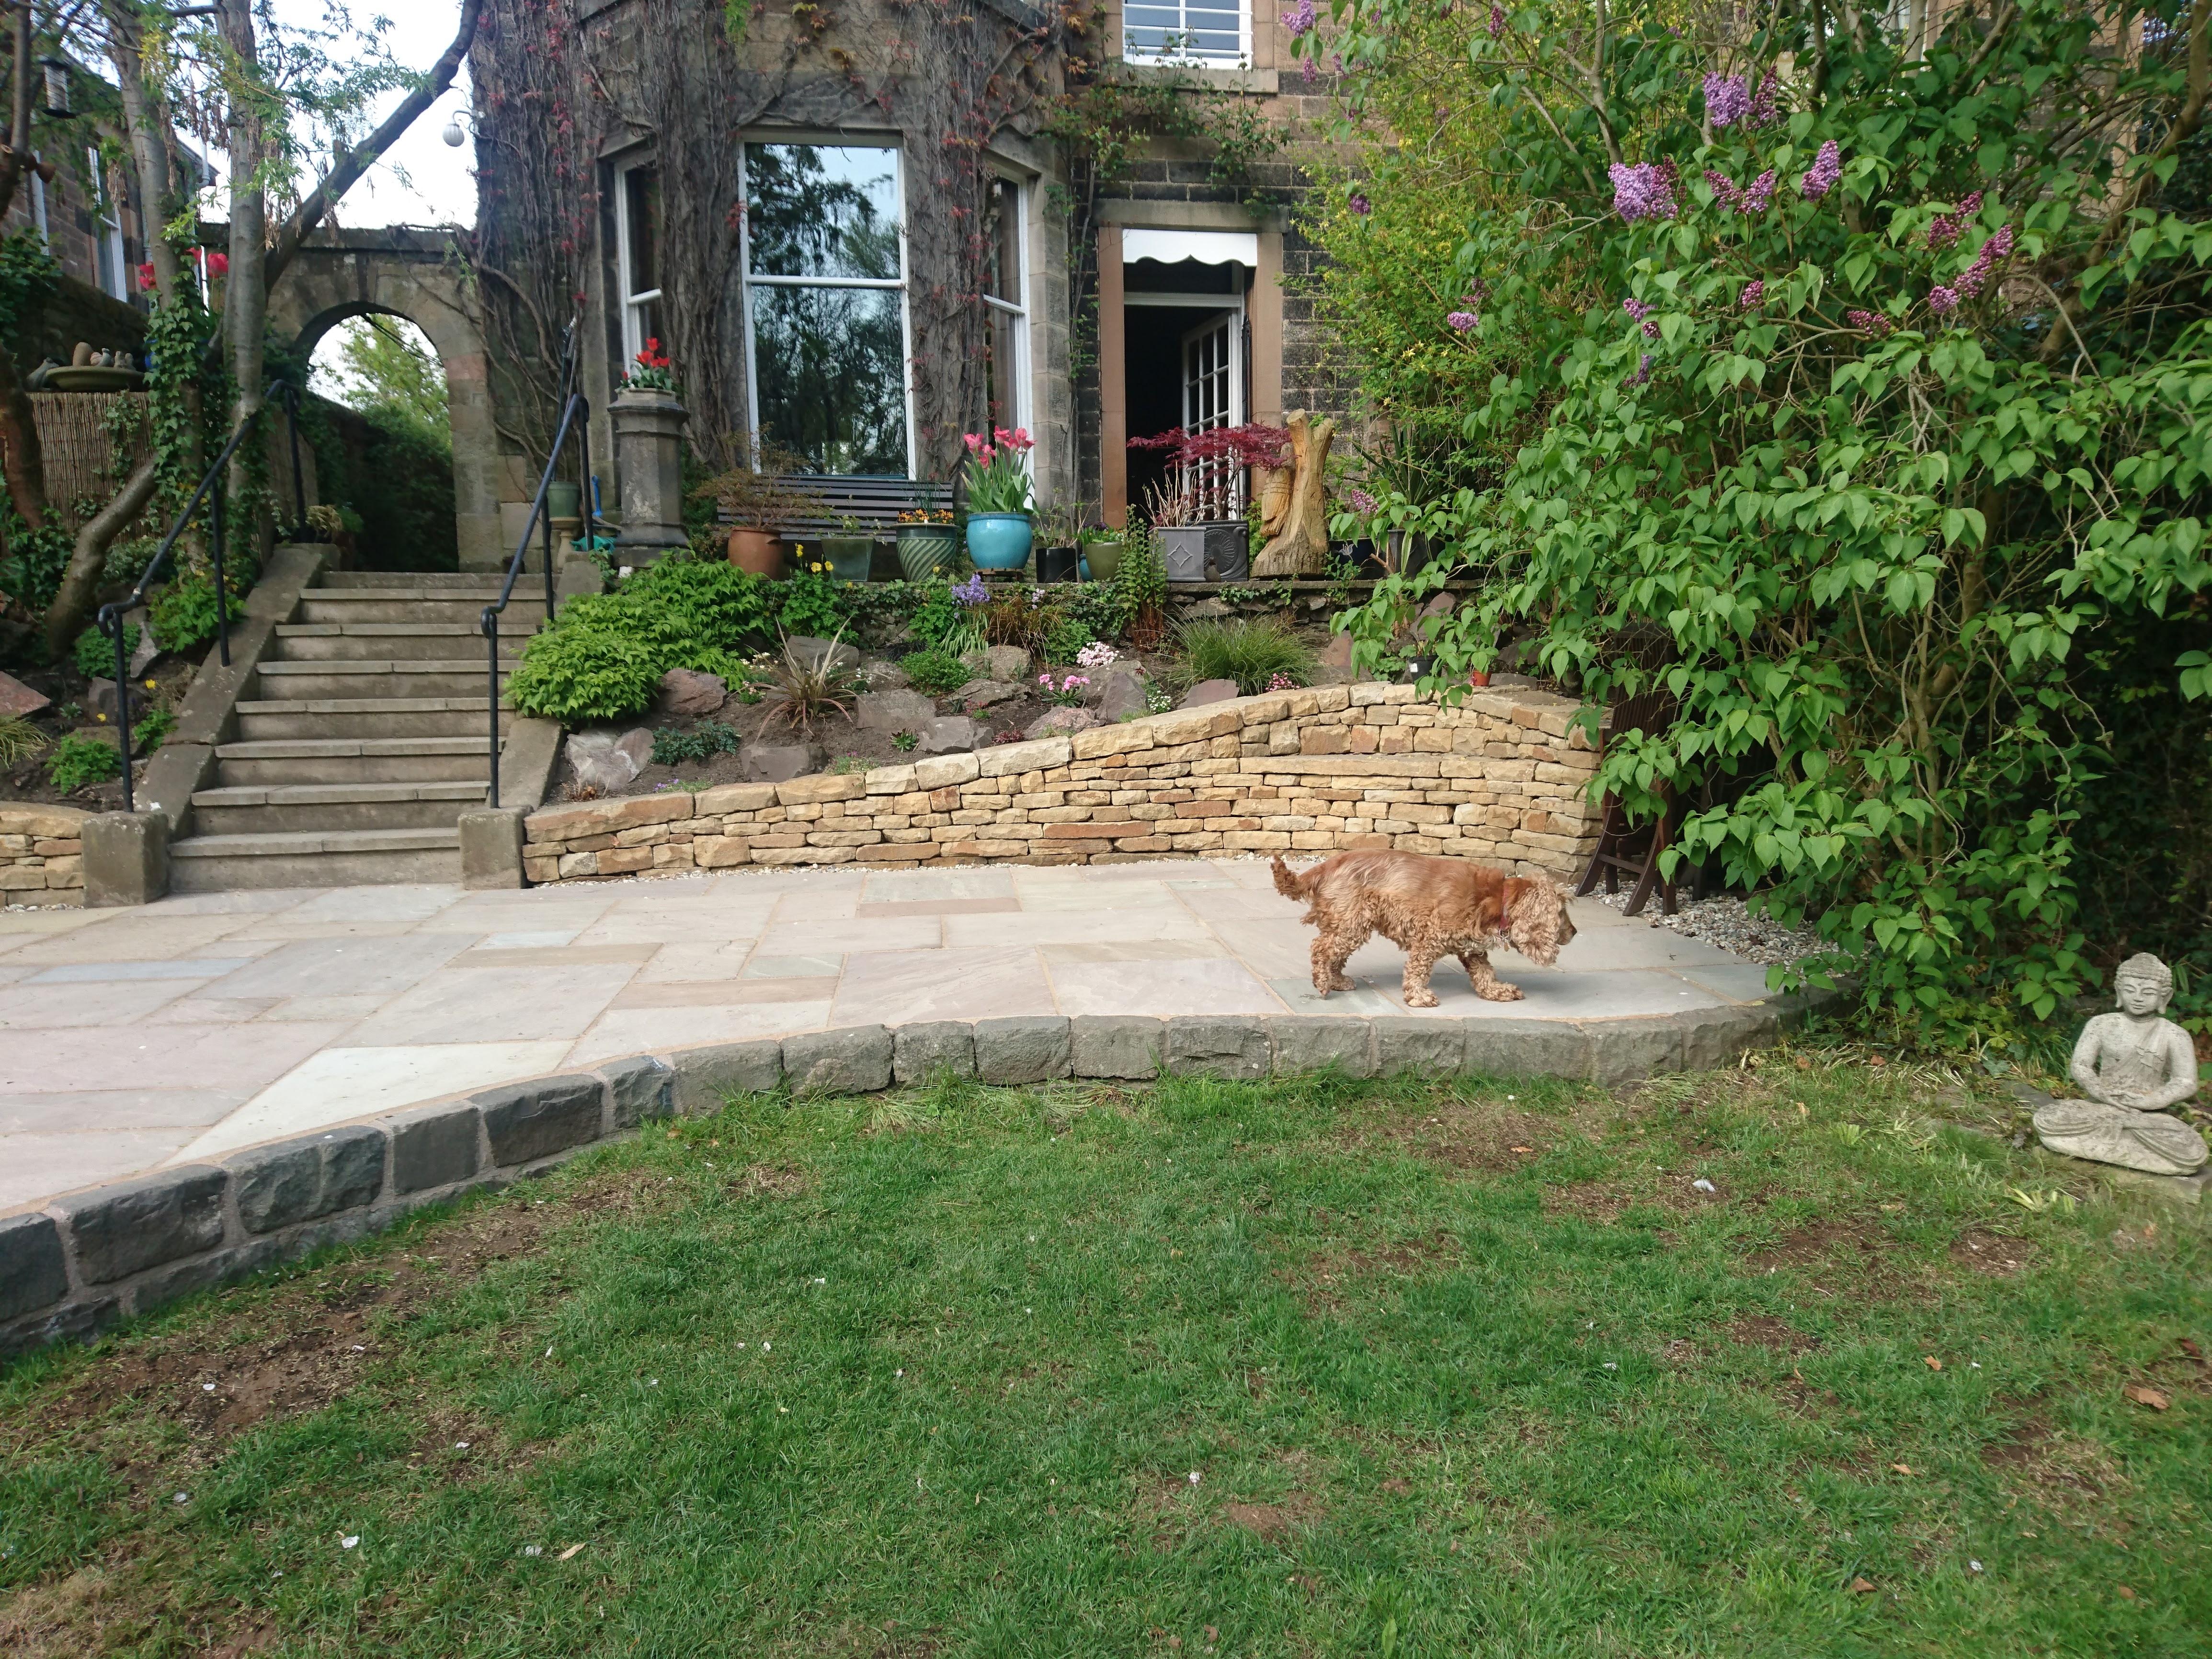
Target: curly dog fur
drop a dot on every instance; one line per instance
(1429, 907)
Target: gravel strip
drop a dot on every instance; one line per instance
(1724, 919)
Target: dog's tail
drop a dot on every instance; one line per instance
(1290, 884)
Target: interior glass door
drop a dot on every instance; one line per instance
(1212, 395)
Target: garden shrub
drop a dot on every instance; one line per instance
(582, 671)
(80, 758)
(95, 652)
(809, 604)
(936, 671)
(703, 742)
(1255, 651)
(1837, 405)
(182, 614)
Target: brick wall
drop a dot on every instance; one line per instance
(42, 854)
(1499, 778)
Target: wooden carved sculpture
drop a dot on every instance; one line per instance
(1299, 525)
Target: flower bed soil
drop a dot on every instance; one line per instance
(26, 780)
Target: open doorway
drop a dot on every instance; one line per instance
(387, 459)
(1186, 361)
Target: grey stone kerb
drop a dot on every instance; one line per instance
(88, 1259)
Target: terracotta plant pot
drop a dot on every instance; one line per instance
(1478, 677)
(756, 552)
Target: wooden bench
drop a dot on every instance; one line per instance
(876, 502)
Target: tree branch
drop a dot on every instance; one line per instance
(66, 616)
(353, 163)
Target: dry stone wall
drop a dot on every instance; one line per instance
(41, 855)
(1501, 777)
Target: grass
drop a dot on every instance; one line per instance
(1461, 1369)
(1249, 650)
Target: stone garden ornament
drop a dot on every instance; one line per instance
(2132, 1065)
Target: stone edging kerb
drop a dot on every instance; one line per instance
(91, 1259)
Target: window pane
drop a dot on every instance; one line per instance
(1002, 366)
(823, 211)
(829, 365)
(641, 209)
(1207, 29)
(1002, 279)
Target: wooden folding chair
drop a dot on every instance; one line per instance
(1633, 849)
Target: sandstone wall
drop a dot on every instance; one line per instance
(41, 855)
(1498, 778)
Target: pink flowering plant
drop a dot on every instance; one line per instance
(1064, 689)
(998, 471)
(1852, 394)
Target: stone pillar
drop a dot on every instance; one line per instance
(126, 858)
(649, 457)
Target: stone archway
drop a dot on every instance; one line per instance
(418, 275)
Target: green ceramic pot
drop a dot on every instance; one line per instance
(848, 555)
(928, 549)
(1104, 559)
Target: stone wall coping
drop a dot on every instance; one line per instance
(37, 818)
(78, 1264)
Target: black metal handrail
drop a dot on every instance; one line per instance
(575, 408)
(109, 618)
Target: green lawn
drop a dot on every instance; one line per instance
(1313, 1367)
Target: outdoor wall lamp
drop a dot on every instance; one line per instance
(58, 89)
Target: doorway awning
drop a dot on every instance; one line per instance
(1208, 247)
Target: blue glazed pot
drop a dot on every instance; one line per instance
(999, 541)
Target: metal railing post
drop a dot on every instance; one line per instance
(221, 609)
(299, 478)
(111, 624)
(491, 635)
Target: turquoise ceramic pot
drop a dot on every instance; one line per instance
(999, 541)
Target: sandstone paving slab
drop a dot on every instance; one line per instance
(1079, 896)
(713, 993)
(101, 1110)
(1072, 926)
(84, 972)
(338, 1084)
(360, 1007)
(655, 1031)
(813, 967)
(1231, 903)
(1598, 947)
(694, 959)
(1739, 981)
(1133, 950)
(213, 1010)
(496, 1005)
(411, 901)
(30, 1005)
(1300, 996)
(907, 886)
(1549, 993)
(94, 1058)
(130, 936)
(529, 939)
(367, 966)
(895, 987)
(244, 902)
(635, 955)
(703, 921)
(871, 934)
(34, 1167)
(1162, 989)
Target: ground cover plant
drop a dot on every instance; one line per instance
(1310, 1366)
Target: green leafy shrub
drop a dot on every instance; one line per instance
(812, 605)
(79, 759)
(936, 672)
(148, 732)
(1101, 608)
(577, 671)
(1251, 651)
(1067, 635)
(714, 600)
(703, 742)
(183, 613)
(944, 623)
(904, 742)
(94, 652)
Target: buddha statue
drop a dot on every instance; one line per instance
(2132, 1065)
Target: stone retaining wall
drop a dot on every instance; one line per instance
(1501, 777)
(90, 1258)
(42, 854)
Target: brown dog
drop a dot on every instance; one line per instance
(1429, 907)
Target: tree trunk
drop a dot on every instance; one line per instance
(244, 288)
(1302, 548)
(72, 607)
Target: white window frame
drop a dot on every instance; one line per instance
(107, 230)
(827, 141)
(1019, 377)
(633, 304)
(1172, 52)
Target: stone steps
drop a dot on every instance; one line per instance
(365, 741)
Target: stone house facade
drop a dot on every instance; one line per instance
(864, 230)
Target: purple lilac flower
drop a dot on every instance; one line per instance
(1497, 20)
(1942, 301)
(1944, 229)
(1642, 371)
(1827, 167)
(1728, 100)
(972, 592)
(1362, 503)
(1300, 18)
(1477, 292)
(1754, 293)
(1969, 282)
(1762, 106)
(1359, 203)
(1641, 313)
(1870, 322)
(1461, 320)
(1761, 193)
(1644, 190)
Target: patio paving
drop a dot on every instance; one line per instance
(133, 1039)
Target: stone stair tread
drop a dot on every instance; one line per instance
(377, 630)
(335, 793)
(292, 843)
(367, 706)
(387, 665)
(346, 748)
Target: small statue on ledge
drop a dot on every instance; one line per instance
(2132, 1065)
